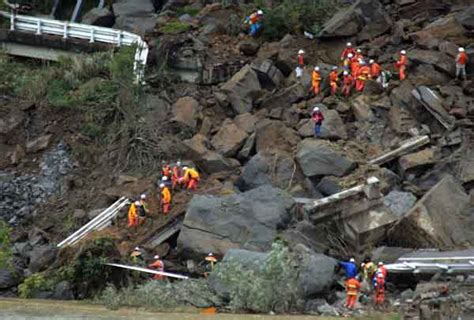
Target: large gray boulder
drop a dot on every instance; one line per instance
(333, 127)
(186, 110)
(229, 139)
(466, 18)
(275, 135)
(399, 202)
(135, 8)
(319, 158)
(436, 219)
(440, 61)
(99, 17)
(285, 97)
(8, 279)
(242, 90)
(41, 257)
(267, 168)
(249, 220)
(365, 18)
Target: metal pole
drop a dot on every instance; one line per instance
(12, 21)
(77, 10)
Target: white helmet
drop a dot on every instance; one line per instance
(346, 73)
(164, 178)
(348, 44)
(143, 196)
(352, 260)
(334, 68)
(210, 254)
(301, 51)
(371, 61)
(316, 68)
(350, 55)
(137, 249)
(315, 109)
(260, 12)
(380, 263)
(162, 185)
(178, 163)
(156, 257)
(137, 203)
(185, 168)
(403, 52)
(359, 51)
(461, 50)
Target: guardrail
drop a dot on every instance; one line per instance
(67, 30)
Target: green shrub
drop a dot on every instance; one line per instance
(34, 283)
(5, 245)
(187, 10)
(174, 27)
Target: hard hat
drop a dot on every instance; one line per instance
(461, 50)
(185, 168)
(380, 263)
(315, 109)
(143, 196)
(137, 249)
(210, 254)
(156, 257)
(162, 185)
(301, 51)
(316, 68)
(346, 73)
(137, 203)
(349, 44)
(352, 260)
(178, 163)
(371, 61)
(334, 68)
(164, 178)
(260, 12)
(350, 55)
(403, 52)
(359, 51)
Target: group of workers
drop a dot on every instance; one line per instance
(173, 177)
(373, 275)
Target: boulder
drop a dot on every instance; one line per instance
(229, 139)
(102, 17)
(135, 8)
(425, 224)
(246, 122)
(275, 135)
(440, 61)
(466, 168)
(38, 144)
(186, 110)
(329, 186)
(361, 108)
(268, 73)
(79, 214)
(466, 18)
(319, 158)
(249, 47)
(446, 28)
(399, 202)
(320, 307)
(427, 75)
(267, 168)
(249, 220)
(285, 97)
(242, 90)
(41, 257)
(206, 159)
(11, 121)
(248, 149)
(139, 25)
(94, 213)
(8, 278)
(63, 291)
(417, 160)
(389, 254)
(333, 127)
(365, 18)
(18, 154)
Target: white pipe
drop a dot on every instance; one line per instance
(434, 258)
(171, 275)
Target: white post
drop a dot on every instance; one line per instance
(12, 21)
(38, 27)
(119, 39)
(92, 40)
(65, 31)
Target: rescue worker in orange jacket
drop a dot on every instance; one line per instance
(158, 265)
(379, 286)
(362, 76)
(133, 214)
(358, 55)
(348, 82)
(165, 169)
(375, 70)
(300, 64)
(176, 175)
(165, 199)
(316, 81)
(381, 269)
(348, 62)
(333, 79)
(401, 64)
(352, 290)
(461, 61)
(355, 65)
(191, 177)
(348, 50)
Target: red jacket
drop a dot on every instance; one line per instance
(300, 60)
(317, 117)
(348, 80)
(461, 58)
(346, 52)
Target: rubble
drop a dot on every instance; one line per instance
(433, 103)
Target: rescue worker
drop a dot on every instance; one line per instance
(141, 213)
(255, 22)
(401, 64)
(355, 65)
(333, 79)
(316, 81)
(381, 269)
(368, 270)
(358, 55)
(352, 290)
(176, 175)
(136, 257)
(191, 177)
(210, 263)
(379, 286)
(165, 169)
(362, 76)
(300, 64)
(158, 265)
(348, 62)
(461, 61)
(348, 82)
(318, 118)
(375, 70)
(165, 199)
(348, 50)
(349, 267)
(144, 203)
(133, 214)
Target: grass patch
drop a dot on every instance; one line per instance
(188, 10)
(174, 27)
(5, 245)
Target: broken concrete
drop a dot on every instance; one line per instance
(432, 102)
(406, 147)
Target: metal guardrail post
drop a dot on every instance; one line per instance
(119, 39)
(38, 27)
(92, 36)
(65, 30)
(12, 21)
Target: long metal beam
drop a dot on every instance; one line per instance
(167, 274)
(407, 146)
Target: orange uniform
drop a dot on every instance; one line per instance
(159, 266)
(361, 76)
(316, 82)
(346, 52)
(348, 81)
(165, 199)
(132, 216)
(461, 58)
(402, 65)
(352, 290)
(379, 295)
(375, 70)
(191, 176)
(176, 175)
(166, 170)
(355, 65)
(333, 78)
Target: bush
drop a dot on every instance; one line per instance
(174, 27)
(272, 288)
(34, 283)
(5, 248)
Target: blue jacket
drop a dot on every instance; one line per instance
(350, 268)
